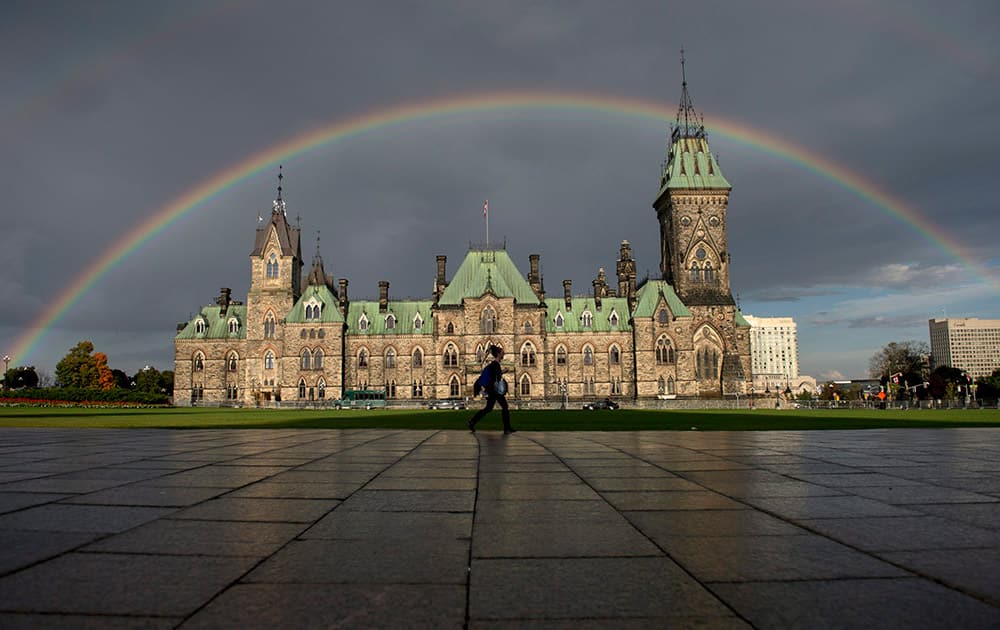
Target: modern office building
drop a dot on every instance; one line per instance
(774, 351)
(969, 344)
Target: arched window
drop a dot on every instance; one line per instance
(588, 355)
(303, 334)
(613, 319)
(363, 322)
(561, 355)
(321, 333)
(480, 354)
(269, 326)
(199, 326)
(231, 363)
(528, 328)
(321, 389)
(587, 319)
(390, 389)
(454, 388)
(418, 358)
(488, 323)
(272, 267)
(362, 358)
(528, 355)
(451, 356)
(670, 385)
(318, 359)
(268, 360)
(450, 329)
(390, 358)
(199, 362)
(559, 320)
(616, 386)
(695, 272)
(234, 326)
(662, 317)
(232, 392)
(312, 333)
(661, 386)
(614, 355)
(525, 386)
(664, 352)
(707, 363)
(709, 272)
(309, 311)
(390, 321)
(305, 359)
(302, 388)
(418, 322)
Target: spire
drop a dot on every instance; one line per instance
(279, 203)
(688, 124)
(317, 275)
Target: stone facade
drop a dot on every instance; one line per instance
(299, 338)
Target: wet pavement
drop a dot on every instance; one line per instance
(445, 529)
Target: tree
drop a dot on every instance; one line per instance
(122, 381)
(78, 368)
(45, 378)
(148, 380)
(908, 359)
(944, 380)
(20, 377)
(105, 378)
(988, 387)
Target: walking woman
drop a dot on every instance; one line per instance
(491, 380)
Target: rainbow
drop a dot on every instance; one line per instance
(339, 130)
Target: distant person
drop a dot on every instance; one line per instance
(491, 381)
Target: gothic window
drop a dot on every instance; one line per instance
(450, 356)
(231, 363)
(450, 329)
(480, 354)
(528, 355)
(302, 335)
(670, 385)
(616, 386)
(661, 386)
(418, 389)
(695, 272)
(488, 323)
(272, 267)
(588, 355)
(613, 319)
(363, 322)
(390, 389)
(587, 319)
(664, 352)
(318, 359)
(418, 322)
(559, 320)
(232, 392)
(362, 358)
(561, 355)
(528, 328)
(268, 360)
(321, 387)
(312, 333)
(453, 386)
(199, 327)
(305, 359)
(390, 358)
(390, 322)
(314, 311)
(525, 386)
(418, 358)
(662, 317)
(199, 362)
(269, 326)
(709, 272)
(615, 355)
(321, 333)
(302, 388)
(234, 326)
(707, 363)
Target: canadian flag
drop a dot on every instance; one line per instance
(486, 207)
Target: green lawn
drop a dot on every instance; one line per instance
(534, 420)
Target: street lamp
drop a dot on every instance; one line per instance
(6, 369)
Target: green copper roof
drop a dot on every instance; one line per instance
(740, 321)
(404, 312)
(492, 267)
(692, 166)
(216, 326)
(573, 319)
(329, 313)
(648, 297)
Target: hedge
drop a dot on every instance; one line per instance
(80, 395)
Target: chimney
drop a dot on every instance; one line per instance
(343, 296)
(225, 293)
(383, 296)
(441, 260)
(533, 278)
(597, 293)
(568, 294)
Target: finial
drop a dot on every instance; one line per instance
(688, 123)
(280, 177)
(684, 80)
(317, 243)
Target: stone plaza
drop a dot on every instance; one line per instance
(447, 529)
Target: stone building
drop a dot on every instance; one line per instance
(300, 338)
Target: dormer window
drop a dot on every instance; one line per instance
(363, 322)
(418, 322)
(559, 320)
(199, 327)
(314, 310)
(390, 322)
(613, 319)
(587, 319)
(234, 326)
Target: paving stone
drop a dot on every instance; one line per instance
(672, 523)
(111, 584)
(826, 507)
(411, 501)
(334, 606)
(774, 489)
(27, 621)
(314, 561)
(23, 548)
(587, 587)
(985, 515)
(80, 518)
(871, 603)
(742, 558)
(571, 513)
(901, 495)
(201, 538)
(643, 483)
(302, 476)
(403, 472)
(60, 484)
(622, 472)
(574, 492)
(164, 496)
(421, 483)
(665, 500)
(675, 623)
(251, 509)
(855, 479)
(550, 539)
(903, 533)
(391, 526)
(12, 501)
(974, 570)
(272, 490)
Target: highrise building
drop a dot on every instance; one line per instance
(968, 344)
(774, 350)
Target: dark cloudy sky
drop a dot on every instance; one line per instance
(111, 110)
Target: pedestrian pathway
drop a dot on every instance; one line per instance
(447, 529)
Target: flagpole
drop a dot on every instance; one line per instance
(486, 215)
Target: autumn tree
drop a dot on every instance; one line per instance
(105, 378)
(79, 367)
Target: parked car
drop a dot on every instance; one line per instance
(447, 403)
(607, 403)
